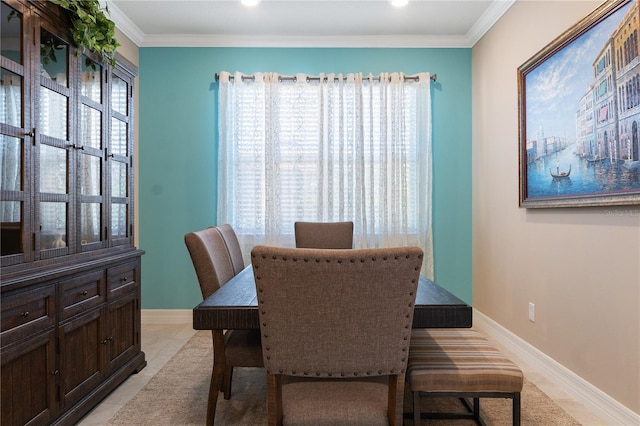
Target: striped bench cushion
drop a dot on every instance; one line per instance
(459, 360)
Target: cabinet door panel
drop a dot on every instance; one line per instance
(81, 355)
(124, 340)
(29, 381)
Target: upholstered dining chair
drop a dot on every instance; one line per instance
(324, 235)
(212, 252)
(336, 328)
(233, 245)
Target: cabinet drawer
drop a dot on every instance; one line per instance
(122, 279)
(82, 293)
(27, 312)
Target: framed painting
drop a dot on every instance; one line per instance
(579, 114)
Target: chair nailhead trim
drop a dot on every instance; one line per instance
(407, 326)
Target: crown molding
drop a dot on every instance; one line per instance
(124, 24)
(488, 19)
(274, 40)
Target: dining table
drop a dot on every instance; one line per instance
(234, 306)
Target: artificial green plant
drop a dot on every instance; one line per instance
(92, 30)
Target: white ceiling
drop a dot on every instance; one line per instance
(305, 23)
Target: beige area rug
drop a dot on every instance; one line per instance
(177, 395)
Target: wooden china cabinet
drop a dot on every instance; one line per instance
(69, 270)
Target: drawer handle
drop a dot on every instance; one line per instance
(55, 372)
(107, 340)
(84, 292)
(25, 314)
(123, 279)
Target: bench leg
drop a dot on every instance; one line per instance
(516, 409)
(476, 409)
(474, 414)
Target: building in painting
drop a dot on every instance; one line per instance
(585, 124)
(543, 146)
(608, 114)
(627, 71)
(605, 111)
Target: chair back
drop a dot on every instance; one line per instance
(233, 245)
(336, 313)
(211, 259)
(324, 235)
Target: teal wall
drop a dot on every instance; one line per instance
(178, 151)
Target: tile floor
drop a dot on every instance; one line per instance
(161, 342)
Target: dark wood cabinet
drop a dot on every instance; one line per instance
(69, 270)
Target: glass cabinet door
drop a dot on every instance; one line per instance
(55, 151)
(91, 155)
(14, 138)
(120, 167)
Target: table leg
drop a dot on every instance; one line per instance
(217, 374)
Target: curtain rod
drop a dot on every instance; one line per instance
(433, 77)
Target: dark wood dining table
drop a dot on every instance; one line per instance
(234, 306)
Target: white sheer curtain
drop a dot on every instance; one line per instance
(326, 148)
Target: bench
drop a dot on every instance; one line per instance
(460, 363)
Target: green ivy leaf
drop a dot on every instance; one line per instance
(92, 30)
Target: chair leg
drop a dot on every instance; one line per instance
(395, 399)
(274, 399)
(516, 409)
(226, 382)
(214, 389)
(416, 408)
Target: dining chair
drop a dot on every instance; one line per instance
(212, 259)
(336, 328)
(233, 245)
(324, 235)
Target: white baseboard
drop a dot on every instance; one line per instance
(584, 392)
(166, 316)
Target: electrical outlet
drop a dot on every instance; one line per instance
(532, 312)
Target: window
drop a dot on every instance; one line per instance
(326, 148)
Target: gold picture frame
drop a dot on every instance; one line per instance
(579, 114)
